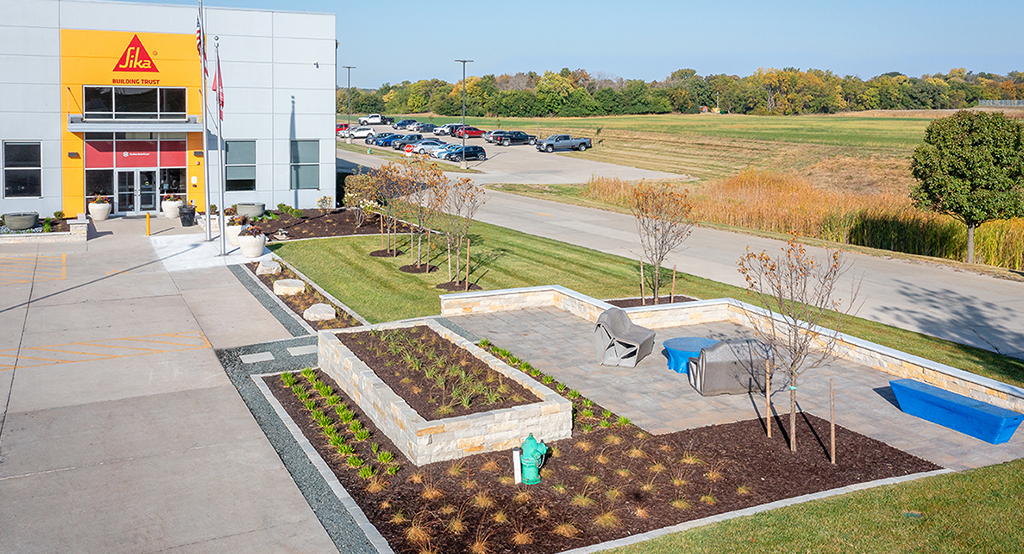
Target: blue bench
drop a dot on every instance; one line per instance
(972, 417)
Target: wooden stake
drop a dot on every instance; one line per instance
(768, 396)
(832, 415)
(643, 297)
(381, 231)
(672, 297)
(467, 265)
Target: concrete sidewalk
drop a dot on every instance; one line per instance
(120, 431)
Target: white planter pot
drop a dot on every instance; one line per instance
(232, 233)
(171, 208)
(99, 212)
(252, 247)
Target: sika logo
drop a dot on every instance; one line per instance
(135, 58)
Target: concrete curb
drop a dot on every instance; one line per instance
(372, 534)
(686, 525)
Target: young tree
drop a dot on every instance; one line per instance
(390, 183)
(662, 214)
(971, 167)
(423, 179)
(459, 202)
(802, 292)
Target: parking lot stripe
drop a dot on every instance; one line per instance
(73, 352)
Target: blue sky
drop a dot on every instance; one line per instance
(397, 40)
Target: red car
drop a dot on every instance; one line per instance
(469, 132)
(341, 127)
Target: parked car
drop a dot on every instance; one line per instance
(340, 129)
(373, 139)
(422, 127)
(469, 153)
(388, 140)
(444, 129)
(375, 119)
(443, 151)
(468, 132)
(453, 128)
(360, 132)
(563, 142)
(516, 137)
(489, 134)
(400, 143)
(403, 124)
(421, 147)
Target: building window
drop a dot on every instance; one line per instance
(99, 182)
(135, 103)
(23, 169)
(305, 162)
(240, 164)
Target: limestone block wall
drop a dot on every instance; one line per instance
(424, 442)
(79, 233)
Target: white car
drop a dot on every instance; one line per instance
(443, 151)
(361, 132)
(426, 145)
(445, 129)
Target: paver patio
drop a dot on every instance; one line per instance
(662, 401)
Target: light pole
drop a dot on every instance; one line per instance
(464, 62)
(349, 128)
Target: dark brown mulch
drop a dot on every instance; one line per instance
(386, 253)
(298, 303)
(649, 301)
(458, 286)
(422, 268)
(634, 482)
(315, 223)
(420, 391)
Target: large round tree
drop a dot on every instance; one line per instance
(971, 166)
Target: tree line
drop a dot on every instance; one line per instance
(787, 91)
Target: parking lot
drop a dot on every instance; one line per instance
(518, 164)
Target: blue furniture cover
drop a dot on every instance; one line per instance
(679, 351)
(972, 417)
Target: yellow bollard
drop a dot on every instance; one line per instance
(147, 224)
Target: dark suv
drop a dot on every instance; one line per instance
(470, 153)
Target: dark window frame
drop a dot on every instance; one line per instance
(295, 165)
(228, 165)
(8, 170)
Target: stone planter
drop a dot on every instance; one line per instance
(99, 212)
(171, 208)
(252, 247)
(21, 221)
(251, 209)
(232, 232)
(426, 441)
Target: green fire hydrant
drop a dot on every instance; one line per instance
(532, 459)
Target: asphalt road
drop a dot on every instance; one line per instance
(933, 299)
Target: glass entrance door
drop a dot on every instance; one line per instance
(136, 191)
(125, 197)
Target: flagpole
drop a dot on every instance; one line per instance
(220, 144)
(206, 109)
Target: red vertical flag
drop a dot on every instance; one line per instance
(218, 87)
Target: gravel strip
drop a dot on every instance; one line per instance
(333, 515)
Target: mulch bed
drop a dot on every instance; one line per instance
(298, 303)
(458, 286)
(316, 223)
(422, 268)
(604, 483)
(384, 253)
(390, 355)
(649, 301)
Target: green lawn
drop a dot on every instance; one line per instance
(503, 258)
(971, 512)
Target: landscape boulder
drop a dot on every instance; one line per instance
(319, 312)
(268, 267)
(288, 287)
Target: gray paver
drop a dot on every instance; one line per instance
(260, 357)
(662, 401)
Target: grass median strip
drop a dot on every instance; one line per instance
(973, 511)
(503, 258)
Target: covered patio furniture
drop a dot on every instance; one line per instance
(729, 367)
(680, 349)
(619, 341)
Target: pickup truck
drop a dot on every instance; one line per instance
(376, 119)
(516, 137)
(563, 142)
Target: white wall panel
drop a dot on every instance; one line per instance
(238, 100)
(30, 99)
(29, 41)
(27, 70)
(248, 75)
(125, 16)
(248, 126)
(297, 76)
(307, 101)
(304, 50)
(242, 49)
(241, 23)
(36, 13)
(292, 24)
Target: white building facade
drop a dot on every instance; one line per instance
(104, 99)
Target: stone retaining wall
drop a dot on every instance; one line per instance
(894, 362)
(424, 442)
(79, 233)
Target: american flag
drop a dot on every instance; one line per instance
(199, 42)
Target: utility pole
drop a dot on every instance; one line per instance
(349, 131)
(464, 62)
